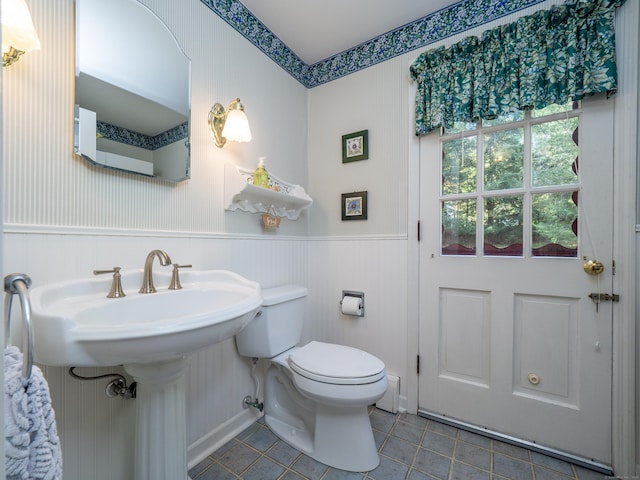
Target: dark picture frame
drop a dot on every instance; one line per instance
(354, 206)
(355, 146)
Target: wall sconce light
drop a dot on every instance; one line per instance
(230, 125)
(18, 34)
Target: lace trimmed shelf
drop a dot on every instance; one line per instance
(281, 199)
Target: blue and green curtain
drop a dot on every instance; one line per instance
(552, 56)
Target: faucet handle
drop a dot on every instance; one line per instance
(175, 277)
(116, 284)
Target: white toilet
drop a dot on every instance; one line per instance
(316, 396)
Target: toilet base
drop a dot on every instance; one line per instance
(340, 437)
(342, 440)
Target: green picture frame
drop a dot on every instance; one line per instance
(354, 206)
(355, 146)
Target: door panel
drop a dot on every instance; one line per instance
(510, 341)
(464, 325)
(545, 349)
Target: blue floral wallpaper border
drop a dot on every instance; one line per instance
(444, 23)
(136, 139)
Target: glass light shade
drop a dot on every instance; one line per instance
(236, 127)
(17, 27)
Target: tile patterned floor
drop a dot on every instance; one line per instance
(411, 448)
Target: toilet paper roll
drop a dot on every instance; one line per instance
(351, 305)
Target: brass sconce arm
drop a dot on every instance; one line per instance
(18, 33)
(11, 56)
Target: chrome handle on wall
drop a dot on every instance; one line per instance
(18, 284)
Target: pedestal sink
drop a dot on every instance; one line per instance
(153, 336)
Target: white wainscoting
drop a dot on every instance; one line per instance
(376, 266)
(97, 432)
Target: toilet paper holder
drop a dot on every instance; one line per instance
(353, 293)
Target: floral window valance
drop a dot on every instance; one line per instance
(551, 56)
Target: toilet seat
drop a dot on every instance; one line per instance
(336, 364)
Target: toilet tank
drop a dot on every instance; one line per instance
(278, 325)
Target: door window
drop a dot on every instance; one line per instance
(510, 186)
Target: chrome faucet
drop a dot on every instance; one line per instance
(147, 279)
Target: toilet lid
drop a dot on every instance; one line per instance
(337, 364)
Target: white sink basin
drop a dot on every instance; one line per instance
(74, 324)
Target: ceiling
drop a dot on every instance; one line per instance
(319, 41)
(316, 30)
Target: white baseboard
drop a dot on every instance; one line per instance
(205, 446)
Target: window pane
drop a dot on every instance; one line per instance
(555, 108)
(503, 226)
(553, 152)
(554, 225)
(502, 119)
(460, 127)
(459, 160)
(459, 227)
(503, 159)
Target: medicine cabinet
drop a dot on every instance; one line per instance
(132, 91)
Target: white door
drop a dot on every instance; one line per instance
(510, 340)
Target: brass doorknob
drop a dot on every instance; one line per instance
(593, 267)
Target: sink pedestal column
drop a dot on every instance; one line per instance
(161, 437)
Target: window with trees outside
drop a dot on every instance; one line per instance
(510, 186)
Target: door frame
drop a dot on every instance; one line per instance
(625, 237)
(625, 158)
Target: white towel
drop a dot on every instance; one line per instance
(32, 447)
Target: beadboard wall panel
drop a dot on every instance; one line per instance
(46, 184)
(97, 433)
(378, 267)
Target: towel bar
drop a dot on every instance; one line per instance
(18, 284)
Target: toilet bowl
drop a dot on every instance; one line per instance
(316, 395)
(337, 375)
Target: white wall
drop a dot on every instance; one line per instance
(373, 99)
(376, 266)
(379, 255)
(364, 255)
(64, 218)
(64, 190)
(2, 339)
(367, 255)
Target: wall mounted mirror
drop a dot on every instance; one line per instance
(132, 91)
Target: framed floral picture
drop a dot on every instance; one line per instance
(355, 146)
(354, 206)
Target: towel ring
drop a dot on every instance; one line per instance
(18, 284)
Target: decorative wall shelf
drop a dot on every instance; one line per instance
(281, 199)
